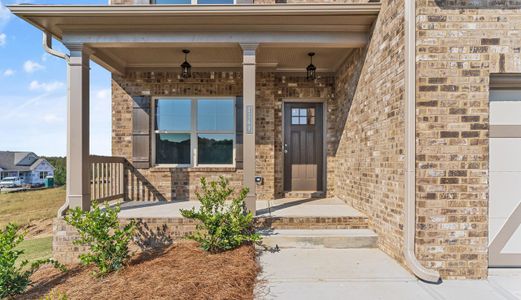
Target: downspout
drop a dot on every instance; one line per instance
(410, 146)
(47, 46)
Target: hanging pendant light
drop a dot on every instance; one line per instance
(186, 67)
(311, 69)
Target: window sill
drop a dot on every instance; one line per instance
(192, 169)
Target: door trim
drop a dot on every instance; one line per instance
(322, 101)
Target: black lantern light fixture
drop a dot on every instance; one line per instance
(186, 67)
(311, 69)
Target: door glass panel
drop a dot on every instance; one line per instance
(303, 116)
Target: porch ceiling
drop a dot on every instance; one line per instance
(152, 36)
(228, 56)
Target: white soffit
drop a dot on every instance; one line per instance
(293, 17)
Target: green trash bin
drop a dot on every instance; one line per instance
(49, 182)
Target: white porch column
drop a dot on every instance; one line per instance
(249, 60)
(78, 167)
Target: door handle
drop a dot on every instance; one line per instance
(285, 148)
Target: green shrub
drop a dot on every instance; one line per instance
(14, 276)
(100, 230)
(55, 296)
(222, 226)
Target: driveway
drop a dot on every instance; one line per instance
(367, 274)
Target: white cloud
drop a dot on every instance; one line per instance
(35, 85)
(8, 72)
(103, 94)
(31, 66)
(3, 39)
(51, 118)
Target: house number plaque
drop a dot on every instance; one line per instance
(249, 119)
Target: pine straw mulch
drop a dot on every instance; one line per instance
(181, 272)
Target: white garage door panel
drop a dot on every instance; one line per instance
(505, 113)
(494, 225)
(514, 244)
(505, 173)
(505, 154)
(504, 193)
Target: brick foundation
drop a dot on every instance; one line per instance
(151, 233)
(157, 233)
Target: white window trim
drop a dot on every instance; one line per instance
(193, 134)
(193, 2)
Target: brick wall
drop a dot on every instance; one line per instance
(151, 233)
(272, 88)
(369, 160)
(459, 43)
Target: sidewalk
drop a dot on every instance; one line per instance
(367, 274)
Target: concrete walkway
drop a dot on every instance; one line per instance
(367, 274)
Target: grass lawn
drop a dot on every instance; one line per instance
(23, 207)
(36, 248)
(28, 207)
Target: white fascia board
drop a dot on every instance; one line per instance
(172, 10)
(333, 39)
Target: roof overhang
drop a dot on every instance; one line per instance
(162, 26)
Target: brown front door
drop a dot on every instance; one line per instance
(303, 146)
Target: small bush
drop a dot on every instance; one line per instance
(108, 241)
(55, 296)
(223, 226)
(15, 279)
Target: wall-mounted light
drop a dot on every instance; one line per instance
(311, 69)
(186, 67)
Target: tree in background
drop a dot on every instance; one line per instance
(60, 169)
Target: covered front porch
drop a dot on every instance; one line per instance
(257, 54)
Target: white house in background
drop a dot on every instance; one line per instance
(25, 165)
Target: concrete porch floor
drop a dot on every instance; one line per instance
(325, 207)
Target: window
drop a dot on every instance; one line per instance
(185, 2)
(43, 175)
(194, 131)
(302, 116)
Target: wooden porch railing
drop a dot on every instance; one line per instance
(107, 178)
(114, 178)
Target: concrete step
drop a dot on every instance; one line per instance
(304, 194)
(320, 238)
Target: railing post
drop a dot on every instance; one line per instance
(124, 181)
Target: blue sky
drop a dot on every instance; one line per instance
(33, 89)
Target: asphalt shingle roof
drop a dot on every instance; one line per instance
(13, 161)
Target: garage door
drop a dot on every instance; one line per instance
(505, 172)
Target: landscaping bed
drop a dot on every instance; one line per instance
(183, 271)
